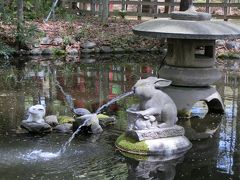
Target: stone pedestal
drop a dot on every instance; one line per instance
(167, 146)
(190, 77)
(186, 97)
(156, 133)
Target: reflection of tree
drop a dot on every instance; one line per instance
(227, 140)
(89, 85)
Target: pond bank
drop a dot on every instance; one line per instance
(84, 35)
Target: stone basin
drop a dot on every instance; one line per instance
(188, 29)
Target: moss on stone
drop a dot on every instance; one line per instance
(135, 156)
(184, 113)
(102, 116)
(65, 119)
(229, 55)
(131, 145)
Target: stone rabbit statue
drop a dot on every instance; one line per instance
(155, 109)
(36, 114)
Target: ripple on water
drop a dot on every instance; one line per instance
(37, 155)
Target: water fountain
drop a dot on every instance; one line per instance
(152, 128)
(190, 59)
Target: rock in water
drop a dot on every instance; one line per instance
(52, 120)
(63, 128)
(81, 111)
(34, 127)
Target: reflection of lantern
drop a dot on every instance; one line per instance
(81, 84)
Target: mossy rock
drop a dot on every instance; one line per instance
(229, 55)
(135, 156)
(184, 113)
(65, 119)
(102, 116)
(105, 120)
(130, 145)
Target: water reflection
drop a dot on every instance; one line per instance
(152, 167)
(228, 131)
(216, 138)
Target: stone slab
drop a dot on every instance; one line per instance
(156, 133)
(190, 77)
(192, 15)
(186, 29)
(34, 127)
(167, 147)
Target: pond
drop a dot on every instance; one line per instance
(91, 82)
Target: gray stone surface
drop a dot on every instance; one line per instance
(87, 51)
(147, 169)
(36, 52)
(81, 111)
(168, 146)
(47, 51)
(191, 77)
(106, 49)
(57, 41)
(185, 29)
(185, 98)
(34, 127)
(46, 41)
(51, 120)
(232, 45)
(155, 109)
(72, 51)
(220, 42)
(36, 114)
(88, 60)
(91, 121)
(88, 45)
(63, 128)
(119, 50)
(190, 53)
(156, 133)
(191, 14)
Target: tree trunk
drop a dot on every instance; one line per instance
(168, 9)
(1, 6)
(19, 21)
(105, 11)
(185, 4)
(20, 11)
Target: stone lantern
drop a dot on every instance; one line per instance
(190, 59)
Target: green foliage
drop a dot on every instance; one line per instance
(67, 40)
(82, 33)
(25, 35)
(5, 50)
(59, 52)
(120, 13)
(122, 41)
(229, 55)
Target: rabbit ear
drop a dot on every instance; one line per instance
(162, 83)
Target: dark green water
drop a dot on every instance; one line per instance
(91, 83)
